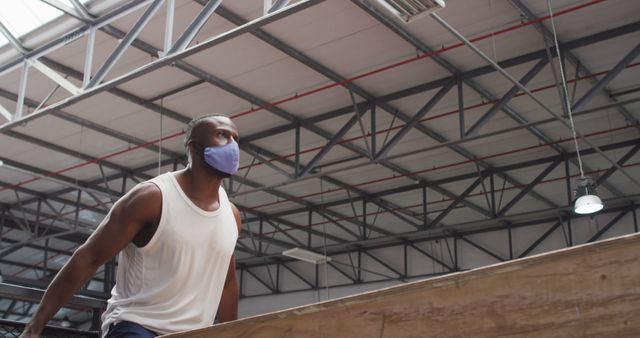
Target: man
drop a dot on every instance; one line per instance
(175, 234)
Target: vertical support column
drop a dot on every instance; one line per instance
(297, 142)
(510, 242)
(22, 90)
(168, 28)
(96, 320)
(635, 217)
(277, 277)
(317, 277)
(77, 215)
(88, 60)
(493, 194)
(124, 184)
(359, 266)
(455, 252)
(373, 129)
(309, 232)
(38, 211)
(45, 264)
(425, 221)
(567, 173)
(266, 7)
(260, 242)
(461, 106)
(241, 280)
(406, 260)
(364, 219)
(569, 231)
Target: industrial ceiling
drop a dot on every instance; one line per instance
(363, 138)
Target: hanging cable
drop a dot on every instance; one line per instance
(160, 139)
(324, 241)
(565, 88)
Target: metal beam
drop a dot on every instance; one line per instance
(529, 93)
(332, 142)
(93, 126)
(602, 83)
(455, 202)
(414, 120)
(464, 75)
(168, 27)
(5, 113)
(164, 62)
(466, 176)
(463, 229)
(35, 295)
(133, 99)
(606, 228)
(12, 39)
(621, 162)
(277, 5)
(194, 27)
(402, 32)
(569, 55)
(475, 129)
(529, 187)
(57, 78)
(82, 9)
(481, 248)
(306, 60)
(111, 60)
(61, 41)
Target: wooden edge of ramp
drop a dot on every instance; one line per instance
(590, 290)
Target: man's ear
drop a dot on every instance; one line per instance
(193, 149)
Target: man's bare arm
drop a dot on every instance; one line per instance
(228, 308)
(140, 206)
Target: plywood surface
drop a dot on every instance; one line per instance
(587, 291)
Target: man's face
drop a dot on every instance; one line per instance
(213, 132)
(219, 131)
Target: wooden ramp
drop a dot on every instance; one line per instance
(586, 291)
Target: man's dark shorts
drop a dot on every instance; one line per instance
(129, 330)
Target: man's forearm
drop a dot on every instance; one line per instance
(228, 309)
(70, 279)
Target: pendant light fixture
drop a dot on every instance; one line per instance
(587, 200)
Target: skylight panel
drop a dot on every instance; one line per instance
(24, 16)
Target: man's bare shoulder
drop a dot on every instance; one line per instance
(144, 198)
(236, 214)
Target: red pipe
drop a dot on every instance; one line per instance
(478, 105)
(430, 54)
(440, 201)
(446, 166)
(295, 97)
(322, 193)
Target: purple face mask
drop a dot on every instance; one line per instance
(224, 158)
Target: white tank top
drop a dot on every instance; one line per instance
(175, 282)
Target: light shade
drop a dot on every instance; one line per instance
(306, 255)
(588, 204)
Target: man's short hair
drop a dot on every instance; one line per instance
(196, 120)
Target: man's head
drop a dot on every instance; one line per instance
(209, 131)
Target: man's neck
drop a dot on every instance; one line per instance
(199, 184)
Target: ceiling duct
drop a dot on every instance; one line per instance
(409, 10)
